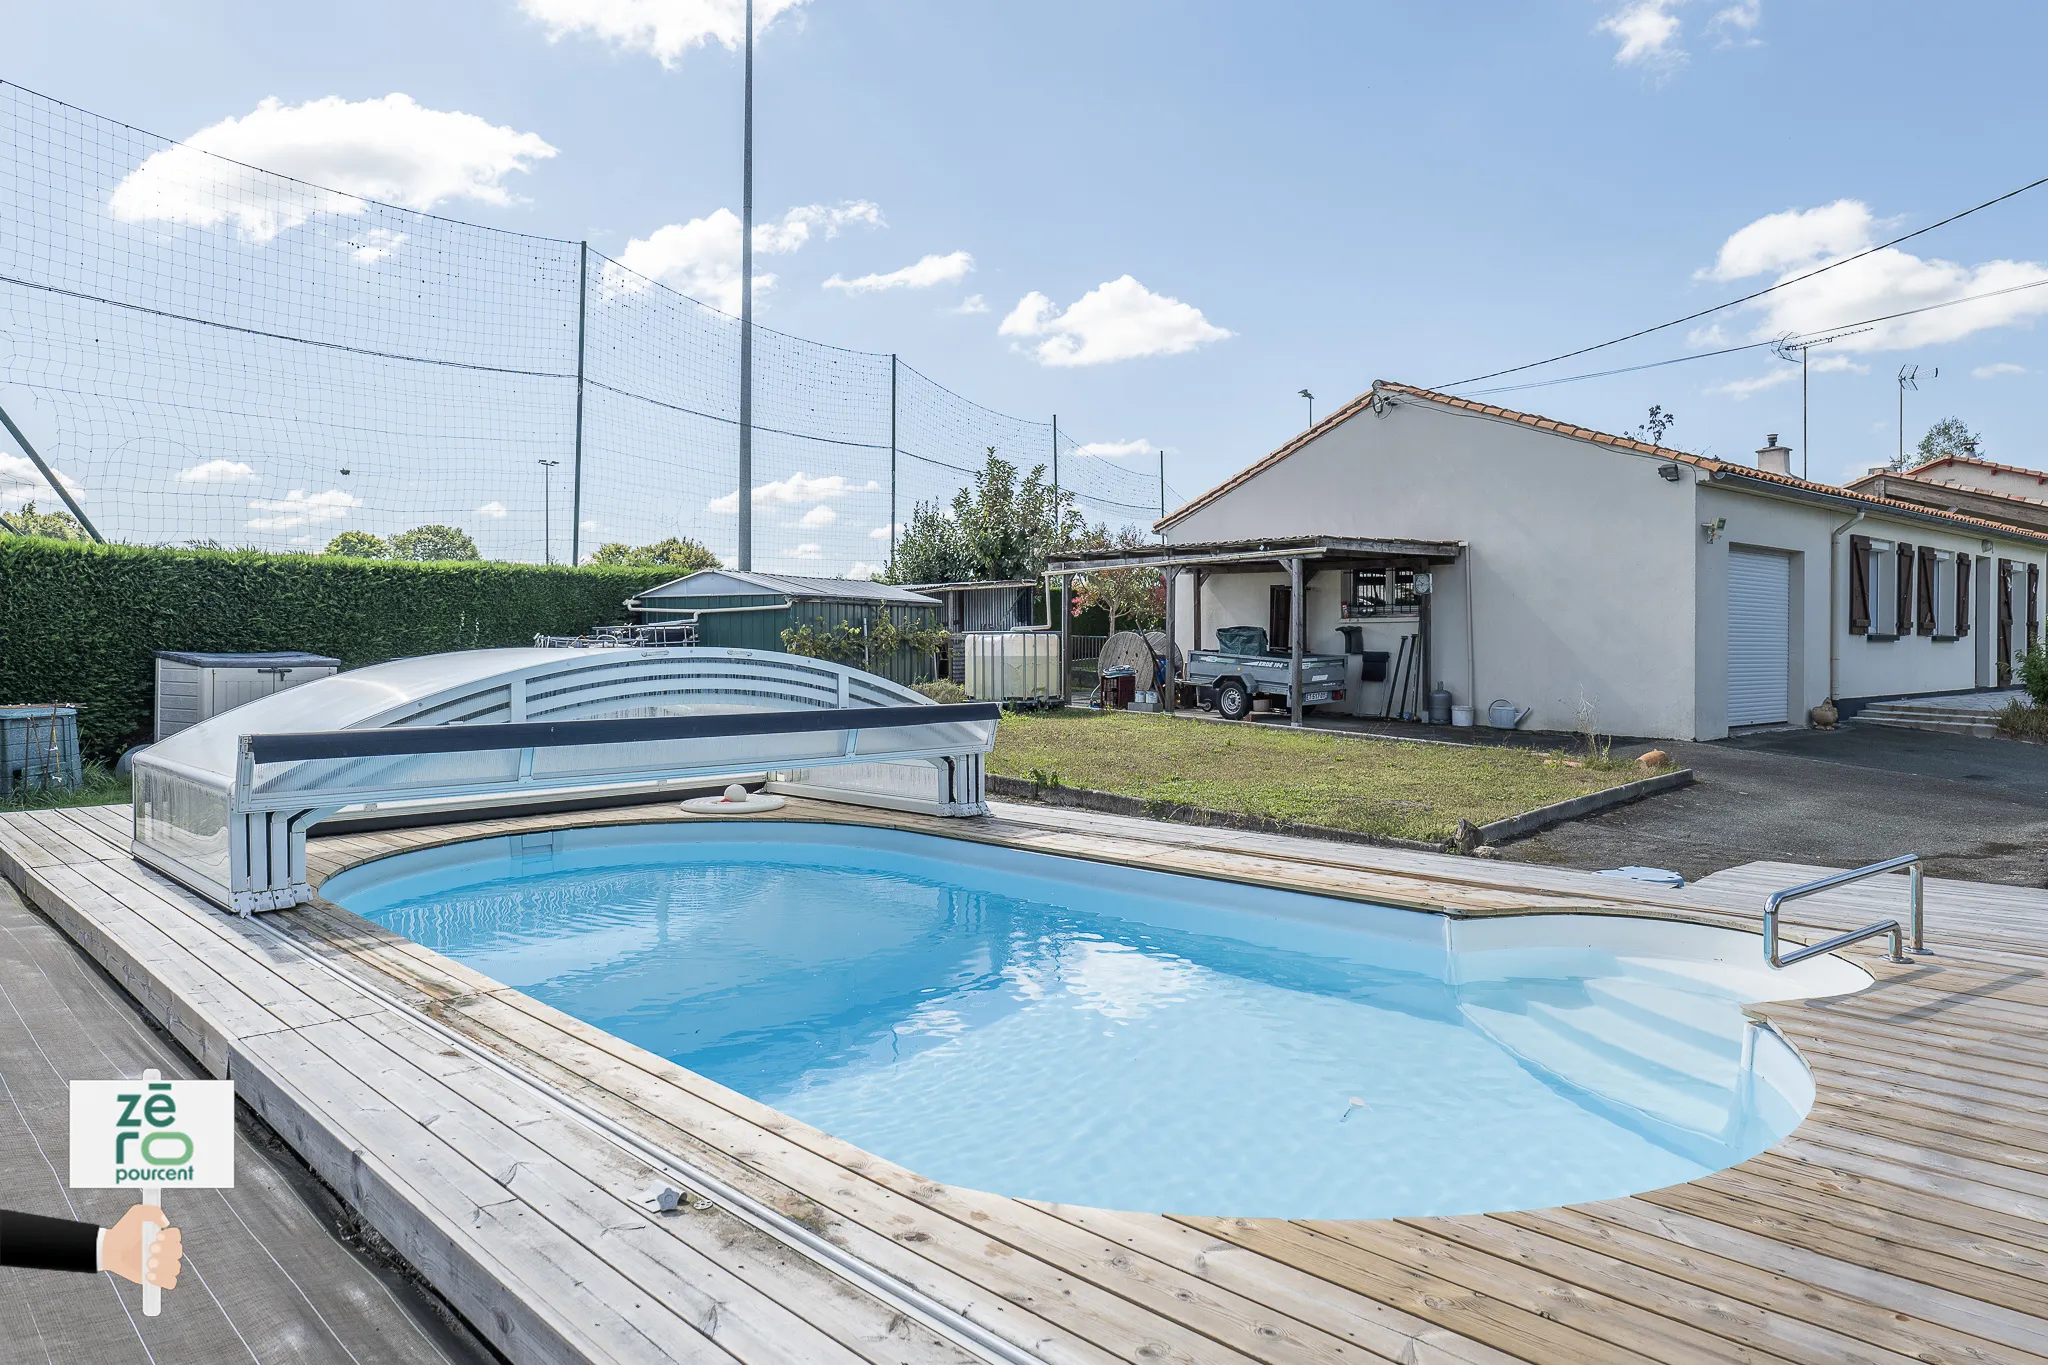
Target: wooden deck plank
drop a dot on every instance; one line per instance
(1904, 1219)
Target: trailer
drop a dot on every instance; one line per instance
(1228, 678)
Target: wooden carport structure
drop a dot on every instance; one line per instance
(1296, 556)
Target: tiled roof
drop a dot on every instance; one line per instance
(1387, 388)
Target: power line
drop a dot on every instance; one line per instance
(1755, 345)
(1746, 298)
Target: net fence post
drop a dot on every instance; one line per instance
(1162, 495)
(576, 466)
(892, 462)
(746, 478)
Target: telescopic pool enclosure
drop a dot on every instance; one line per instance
(224, 806)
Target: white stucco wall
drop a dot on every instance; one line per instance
(1590, 575)
(1580, 560)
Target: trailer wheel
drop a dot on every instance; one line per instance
(1232, 701)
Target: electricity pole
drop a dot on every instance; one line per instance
(746, 546)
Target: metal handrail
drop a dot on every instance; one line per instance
(1890, 927)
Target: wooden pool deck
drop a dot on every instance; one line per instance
(1905, 1220)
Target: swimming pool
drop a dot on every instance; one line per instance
(1066, 1030)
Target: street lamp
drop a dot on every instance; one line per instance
(1311, 406)
(547, 530)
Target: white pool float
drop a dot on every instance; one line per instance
(736, 801)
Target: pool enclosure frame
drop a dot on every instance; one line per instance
(224, 807)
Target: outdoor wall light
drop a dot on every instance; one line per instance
(1714, 528)
(1668, 473)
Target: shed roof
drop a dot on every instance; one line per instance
(1253, 552)
(1736, 474)
(971, 584)
(738, 583)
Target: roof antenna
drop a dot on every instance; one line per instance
(1909, 376)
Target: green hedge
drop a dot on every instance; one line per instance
(79, 622)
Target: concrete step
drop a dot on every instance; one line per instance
(1979, 729)
(1927, 711)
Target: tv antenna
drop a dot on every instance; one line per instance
(1792, 347)
(1909, 378)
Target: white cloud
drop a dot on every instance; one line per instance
(1994, 371)
(1119, 320)
(339, 154)
(376, 245)
(21, 481)
(1708, 336)
(701, 258)
(860, 568)
(922, 274)
(496, 511)
(1882, 283)
(1740, 389)
(882, 532)
(1792, 240)
(1112, 449)
(973, 303)
(217, 471)
(298, 509)
(781, 236)
(807, 552)
(663, 29)
(798, 487)
(1648, 32)
(1741, 17)
(817, 517)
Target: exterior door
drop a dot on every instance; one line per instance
(1759, 637)
(1280, 619)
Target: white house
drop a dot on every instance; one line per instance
(1663, 593)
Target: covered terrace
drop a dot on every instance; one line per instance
(1407, 563)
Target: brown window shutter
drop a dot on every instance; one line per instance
(1902, 608)
(1962, 596)
(1924, 599)
(1859, 585)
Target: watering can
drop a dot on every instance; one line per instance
(1502, 715)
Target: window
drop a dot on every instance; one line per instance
(1943, 580)
(1883, 608)
(1383, 592)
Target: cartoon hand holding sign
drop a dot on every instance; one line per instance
(147, 1134)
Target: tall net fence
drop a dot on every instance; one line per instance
(205, 352)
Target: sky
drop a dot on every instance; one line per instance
(1162, 221)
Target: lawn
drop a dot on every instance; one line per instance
(101, 788)
(1406, 791)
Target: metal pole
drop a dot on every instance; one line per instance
(1066, 639)
(1056, 470)
(1162, 495)
(746, 545)
(1170, 692)
(1802, 410)
(892, 460)
(1296, 620)
(50, 477)
(576, 469)
(547, 510)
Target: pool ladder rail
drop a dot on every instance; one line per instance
(1890, 928)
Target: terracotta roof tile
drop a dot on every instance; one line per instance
(1364, 400)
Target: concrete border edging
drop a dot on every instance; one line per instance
(1110, 803)
(1512, 827)
(1592, 803)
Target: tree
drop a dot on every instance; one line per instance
(1945, 438)
(1002, 527)
(1138, 595)
(433, 541)
(1653, 427)
(49, 525)
(358, 545)
(681, 554)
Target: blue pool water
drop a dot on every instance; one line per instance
(1062, 1030)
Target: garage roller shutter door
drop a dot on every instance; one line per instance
(1759, 637)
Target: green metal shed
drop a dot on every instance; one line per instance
(751, 610)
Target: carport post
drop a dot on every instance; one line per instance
(1295, 619)
(1196, 642)
(1170, 693)
(1066, 692)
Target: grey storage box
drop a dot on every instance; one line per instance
(38, 748)
(191, 687)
